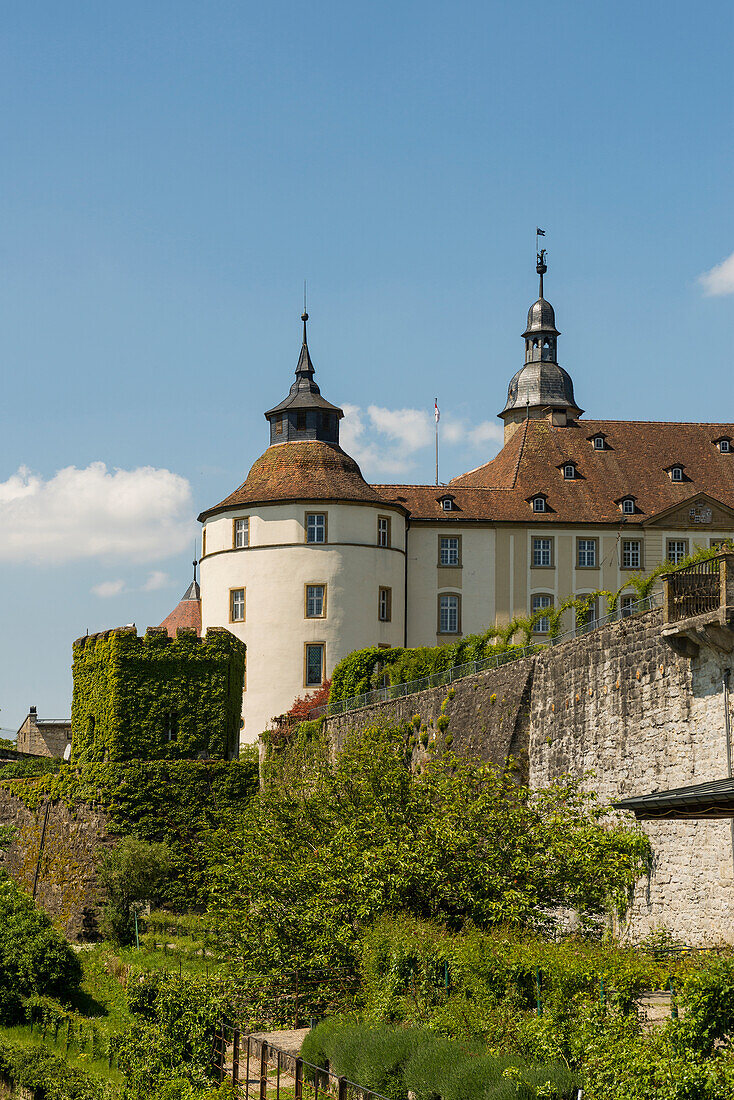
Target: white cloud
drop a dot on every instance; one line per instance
(157, 579)
(107, 589)
(390, 442)
(138, 515)
(720, 279)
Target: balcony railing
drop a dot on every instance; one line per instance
(701, 589)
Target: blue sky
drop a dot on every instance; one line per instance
(171, 173)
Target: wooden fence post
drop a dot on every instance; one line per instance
(298, 1091)
(264, 1071)
(342, 1088)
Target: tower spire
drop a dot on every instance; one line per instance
(541, 267)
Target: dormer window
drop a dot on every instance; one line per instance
(628, 506)
(598, 442)
(676, 473)
(724, 445)
(539, 504)
(569, 471)
(447, 504)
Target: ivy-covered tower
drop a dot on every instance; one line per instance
(157, 697)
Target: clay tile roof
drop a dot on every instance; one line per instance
(300, 471)
(187, 614)
(633, 463)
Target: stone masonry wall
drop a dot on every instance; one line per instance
(489, 714)
(67, 880)
(621, 706)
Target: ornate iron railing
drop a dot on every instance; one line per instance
(694, 590)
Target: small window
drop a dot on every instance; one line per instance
(626, 606)
(301, 421)
(448, 614)
(242, 533)
(677, 550)
(538, 504)
(569, 471)
(326, 421)
(449, 550)
(586, 553)
(539, 603)
(316, 527)
(170, 726)
(725, 446)
(315, 601)
(598, 442)
(628, 506)
(236, 605)
(279, 425)
(542, 552)
(447, 504)
(631, 554)
(384, 605)
(383, 531)
(314, 665)
(676, 473)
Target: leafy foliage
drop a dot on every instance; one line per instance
(130, 874)
(314, 859)
(34, 958)
(126, 688)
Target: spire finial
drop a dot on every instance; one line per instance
(304, 315)
(195, 565)
(541, 267)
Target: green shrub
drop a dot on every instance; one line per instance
(130, 874)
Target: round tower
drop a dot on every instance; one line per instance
(304, 562)
(541, 388)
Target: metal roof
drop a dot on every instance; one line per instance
(702, 800)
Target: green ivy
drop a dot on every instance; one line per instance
(125, 687)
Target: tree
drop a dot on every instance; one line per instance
(131, 874)
(311, 862)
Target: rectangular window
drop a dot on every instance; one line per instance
(592, 613)
(170, 722)
(631, 554)
(539, 602)
(677, 550)
(383, 530)
(315, 601)
(301, 421)
(236, 605)
(384, 605)
(586, 553)
(316, 527)
(314, 665)
(279, 425)
(626, 604)
(241, 533)
(448, 615)
(326, 421)
(542, 552)
(449, 550)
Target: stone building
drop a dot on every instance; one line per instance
(306, 562)
(44, 736)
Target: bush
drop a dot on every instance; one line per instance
(34, 958)
(132, 873)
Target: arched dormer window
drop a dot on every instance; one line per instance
(447, 504)
(628, 506)
(598, 442)
(569, 471)
(539, 504)
(723, 444)
(676, 473)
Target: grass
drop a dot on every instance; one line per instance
(82, 1060)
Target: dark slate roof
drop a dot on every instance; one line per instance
(542, 383)
(305, 393)
(703, 800)
(308, 470)
(541, 318)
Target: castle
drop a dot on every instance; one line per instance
(306, 562)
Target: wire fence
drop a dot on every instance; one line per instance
(261, 1071)
(388, 692)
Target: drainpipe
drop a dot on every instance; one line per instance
(727, 721)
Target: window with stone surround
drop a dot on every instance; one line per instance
(236, 605)
(241, 532)
(542, 553)
(631, 554)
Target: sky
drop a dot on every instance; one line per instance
(173, 171)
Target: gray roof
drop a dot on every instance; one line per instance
(193, 592)
(305, 393)
(541, 318)
(702, 800)
(542, 384)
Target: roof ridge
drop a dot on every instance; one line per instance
(520, 451)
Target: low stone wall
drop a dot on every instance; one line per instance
(489, 714)
(67, 880)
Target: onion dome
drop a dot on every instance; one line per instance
(187, 614)
(300, 471)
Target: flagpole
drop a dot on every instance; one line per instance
(436, 419)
